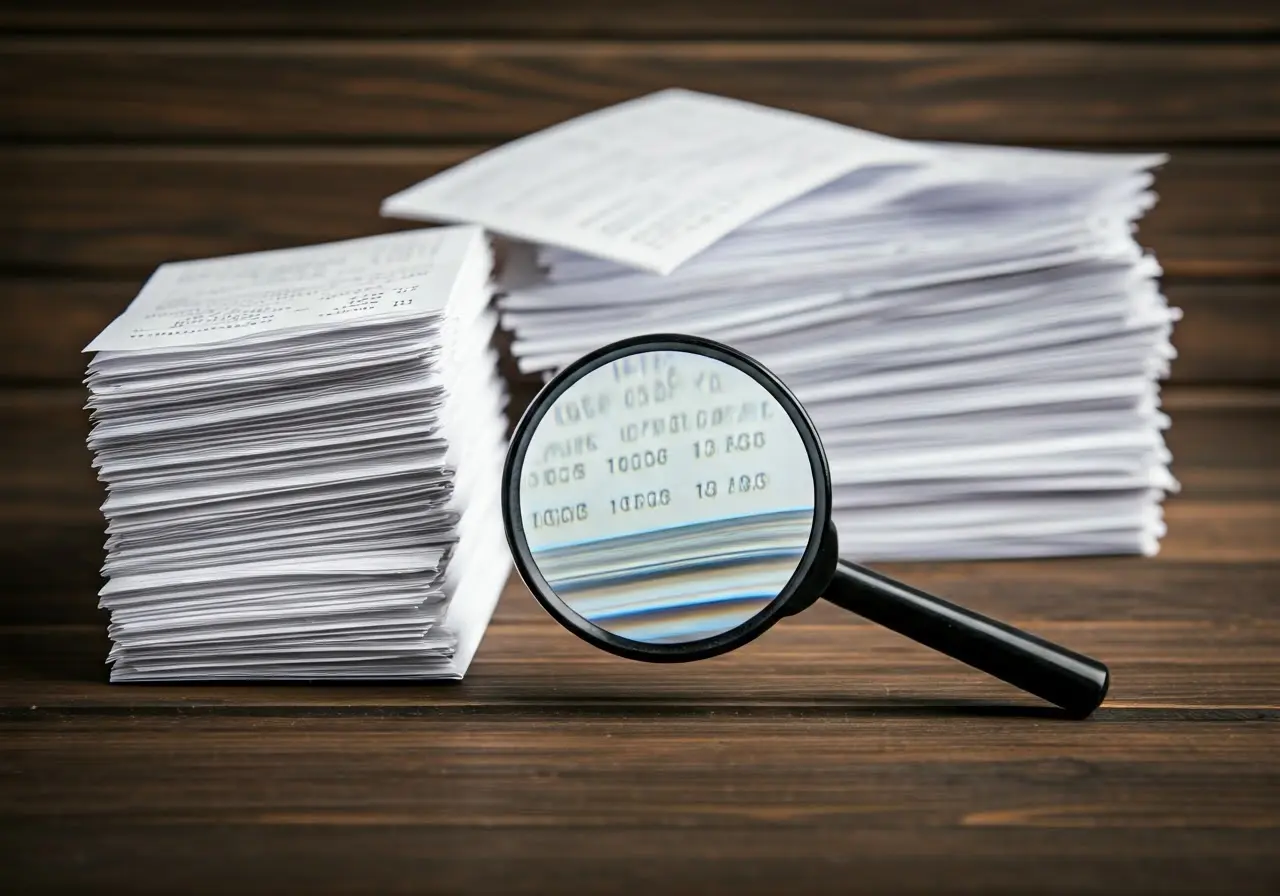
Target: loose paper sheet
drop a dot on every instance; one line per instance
(650, 182)
(974, 330)
(214, 300)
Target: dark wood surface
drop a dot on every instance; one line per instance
(1066, 91)
(829, 756)
(658, 18)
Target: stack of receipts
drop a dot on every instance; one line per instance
(302, 451)
(974, 330)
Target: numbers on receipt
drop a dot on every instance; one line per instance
(551, 476)
(653, 427)
(571, 410)
(738, 442)
(641, 501)
(561, 449)
(637, 460)
(551, 517)
(733, 485)
(658, 439)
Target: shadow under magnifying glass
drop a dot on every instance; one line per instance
(667, 705)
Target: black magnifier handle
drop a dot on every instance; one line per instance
(1075, 682)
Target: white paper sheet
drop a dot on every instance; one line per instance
(189, 303)
(648, 183)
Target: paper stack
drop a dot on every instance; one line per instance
(974, 330)
(302, 451)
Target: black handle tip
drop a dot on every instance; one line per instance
(1091, 694)
(1075, 683)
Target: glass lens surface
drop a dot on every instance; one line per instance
(666, 496)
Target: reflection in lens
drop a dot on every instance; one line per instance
(666, 497)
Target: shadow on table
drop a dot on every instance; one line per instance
(76, 655)
(58, 653)
(668, 705)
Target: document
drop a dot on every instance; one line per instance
(648, 183)
(300, 450)
(976, 331)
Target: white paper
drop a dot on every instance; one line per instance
(336, 284)
(297, 493)
(650, 182)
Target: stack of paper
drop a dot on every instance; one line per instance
(974, 330)
(302, 451)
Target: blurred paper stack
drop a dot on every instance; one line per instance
(974, 330)
(301, 450)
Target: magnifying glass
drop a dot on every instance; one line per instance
(666, 498)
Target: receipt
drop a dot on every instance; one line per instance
(667, 496)
(262, 294)
(657, 440)
(651, 182)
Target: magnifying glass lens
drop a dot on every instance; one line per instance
(666, 497)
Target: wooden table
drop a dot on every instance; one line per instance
(828, 756)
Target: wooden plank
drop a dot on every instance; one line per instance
(45, 324)
(1223, 443)
(660, 18)
(438, 761)
(346, 851)
(1228, 333)
(127, 210)
(905, 758)
(120, 211)
(1227, 336)
(1069, 92)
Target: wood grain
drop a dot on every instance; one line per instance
(1227, 336)
(1069, 92)
(658, 18)
(345, 851)
(1228, 333)
(827, 742)
(124, 210)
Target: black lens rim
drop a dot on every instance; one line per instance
(799, 586)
